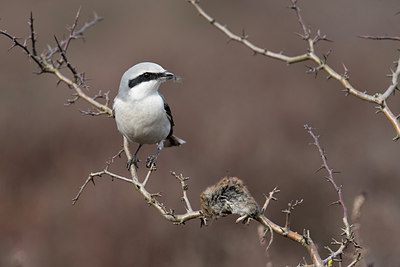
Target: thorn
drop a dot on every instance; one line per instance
(329, 249)
(309, 128)
(347, 91)
(244, 35)
(158, 194)
(320, 168)
(379, 109)
(301, 35)
(334, 203)
(326, 55)
(346, 72)
(95, 15)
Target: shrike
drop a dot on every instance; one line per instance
(141, 113)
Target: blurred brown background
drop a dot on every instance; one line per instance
(241, 115)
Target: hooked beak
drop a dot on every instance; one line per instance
(168, 75)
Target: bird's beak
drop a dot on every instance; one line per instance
(169, 75)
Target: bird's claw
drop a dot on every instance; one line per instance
(151, 162)
(133, 161)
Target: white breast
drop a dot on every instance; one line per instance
(144, 121)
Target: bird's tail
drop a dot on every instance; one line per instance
(173, 141)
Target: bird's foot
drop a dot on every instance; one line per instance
(133, 161)
(151, 162)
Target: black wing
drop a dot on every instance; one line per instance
(169, 115)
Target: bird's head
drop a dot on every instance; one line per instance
(143, 79)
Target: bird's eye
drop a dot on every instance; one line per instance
(146, 75)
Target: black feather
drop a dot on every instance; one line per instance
(169, 115)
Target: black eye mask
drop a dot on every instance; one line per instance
(145, 77)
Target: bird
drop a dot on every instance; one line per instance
(141, 113)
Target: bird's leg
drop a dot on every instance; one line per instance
(134, 160)
(152, 160)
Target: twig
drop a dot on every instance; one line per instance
(306, 30)
(64, 56)
(50, 51)
(390, 38)
(91, 179)
(71, 31)
(185, 187)
(291, 206)
(24, 48)
(118, 155)
(269, 198)
(151, 170)
(355, 261)
(305, 239)
(33, 35)
(347, 232)
(330, 172)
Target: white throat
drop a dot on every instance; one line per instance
(144, 90)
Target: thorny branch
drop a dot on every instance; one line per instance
(269, 198)
(291, 206)
(48, 63)
(347, 230)
(185, 188)
(378, 98)
(390, 38)
(150, 198)
(304, 240)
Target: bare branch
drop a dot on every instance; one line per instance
(305, 239)
(64, 56)
(269, 198)
(306, 30)
(347, 231)
(185, 187)
(291, 206)
(91, 179)
(74, 34)
(71, 30)
(25, 49)
(310, 55)
(140, 187)
(390, 38)
(167, 214)
(395, 81)
(33, 35)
